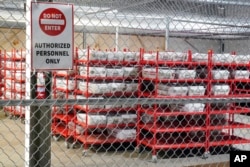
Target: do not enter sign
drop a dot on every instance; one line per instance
(52, 21)
(52, 36)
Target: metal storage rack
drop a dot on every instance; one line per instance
(14, 81)
(195, 128)
(62, 115)
(101, 133)
(225, 128)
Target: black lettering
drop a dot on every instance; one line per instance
(52, 53)
(52, 45)
(52, 61)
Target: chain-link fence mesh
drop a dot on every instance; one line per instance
(153, 83)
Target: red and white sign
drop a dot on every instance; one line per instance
(52, 36)
(52, 21)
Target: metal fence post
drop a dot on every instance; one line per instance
(40, 131)
(39, 125)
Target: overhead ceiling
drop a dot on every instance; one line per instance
(213, 19)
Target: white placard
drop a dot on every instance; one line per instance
(52, 36)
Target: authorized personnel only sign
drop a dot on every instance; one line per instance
(52, 36)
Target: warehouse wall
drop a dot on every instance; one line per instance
(12, 39)
(134, 42)
(196, 45)
(239, 46)
(15, 38)
(131, 42)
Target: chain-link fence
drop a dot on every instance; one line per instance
(153, 83)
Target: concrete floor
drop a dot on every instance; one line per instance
(12, 153)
